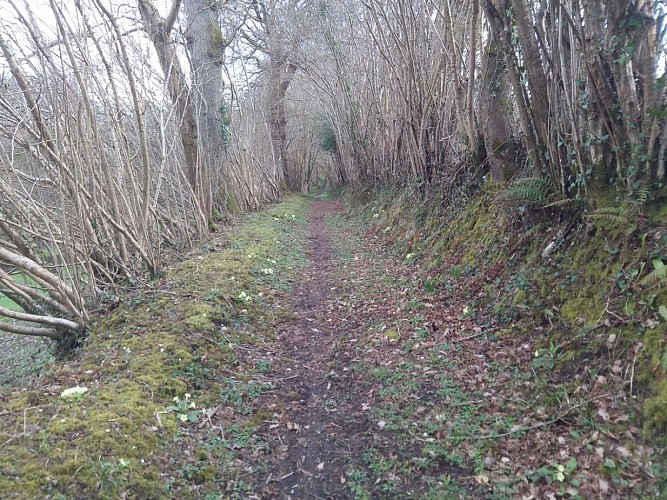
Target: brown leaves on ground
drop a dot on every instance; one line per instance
(394, 390)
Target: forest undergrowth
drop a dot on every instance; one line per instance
(380, 351)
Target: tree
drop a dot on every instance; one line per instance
(160, 31)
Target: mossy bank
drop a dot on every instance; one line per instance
(589, 286)
(151, 373)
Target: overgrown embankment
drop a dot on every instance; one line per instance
(585, 290)
(110, 423)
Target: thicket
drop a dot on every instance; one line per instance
(127, 132)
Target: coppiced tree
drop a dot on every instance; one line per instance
(91, 188)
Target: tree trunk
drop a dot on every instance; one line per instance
(159, 30)
(281, 74)
(537, 82)
(206, 46)
(494, 122)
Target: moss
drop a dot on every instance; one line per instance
(654, 346)
(199, 317)
(138, 358)
(655, 411)
(258, 419)
(392, 335)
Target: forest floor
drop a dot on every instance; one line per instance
(383, 387)
(301, 356)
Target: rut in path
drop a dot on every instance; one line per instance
(324, 427)
(319, 432)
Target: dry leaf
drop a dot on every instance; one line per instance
(604, 485)
(293, 426)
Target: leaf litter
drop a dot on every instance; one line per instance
(382, 389)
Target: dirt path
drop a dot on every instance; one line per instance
(317, 434)
(390, 383)
(327, 437)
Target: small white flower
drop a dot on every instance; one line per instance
(188, 396)
(375, 216)
(466, 310)
(73, 393)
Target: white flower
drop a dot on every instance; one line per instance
(466, 310)
(188, 396)
(73, 393)
(375, 216)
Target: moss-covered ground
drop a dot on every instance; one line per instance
(156, 368)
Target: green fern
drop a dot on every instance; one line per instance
(562, 202)
(612, 214)
(657, 276)
(528, 190)
(641, 196)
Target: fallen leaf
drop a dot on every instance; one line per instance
(623, 451)
(603, 485)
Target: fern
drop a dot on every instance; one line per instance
(528, 190)
(612, 214)
(562, 202)
(658, 275)
(642, 194)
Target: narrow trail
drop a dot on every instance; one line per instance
(327, 435)
(317, 434)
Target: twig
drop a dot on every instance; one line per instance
(278, 479)
(469, 337)
(536, 426)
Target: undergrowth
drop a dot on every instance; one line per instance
(586, 288)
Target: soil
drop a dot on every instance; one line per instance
(317, 434)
